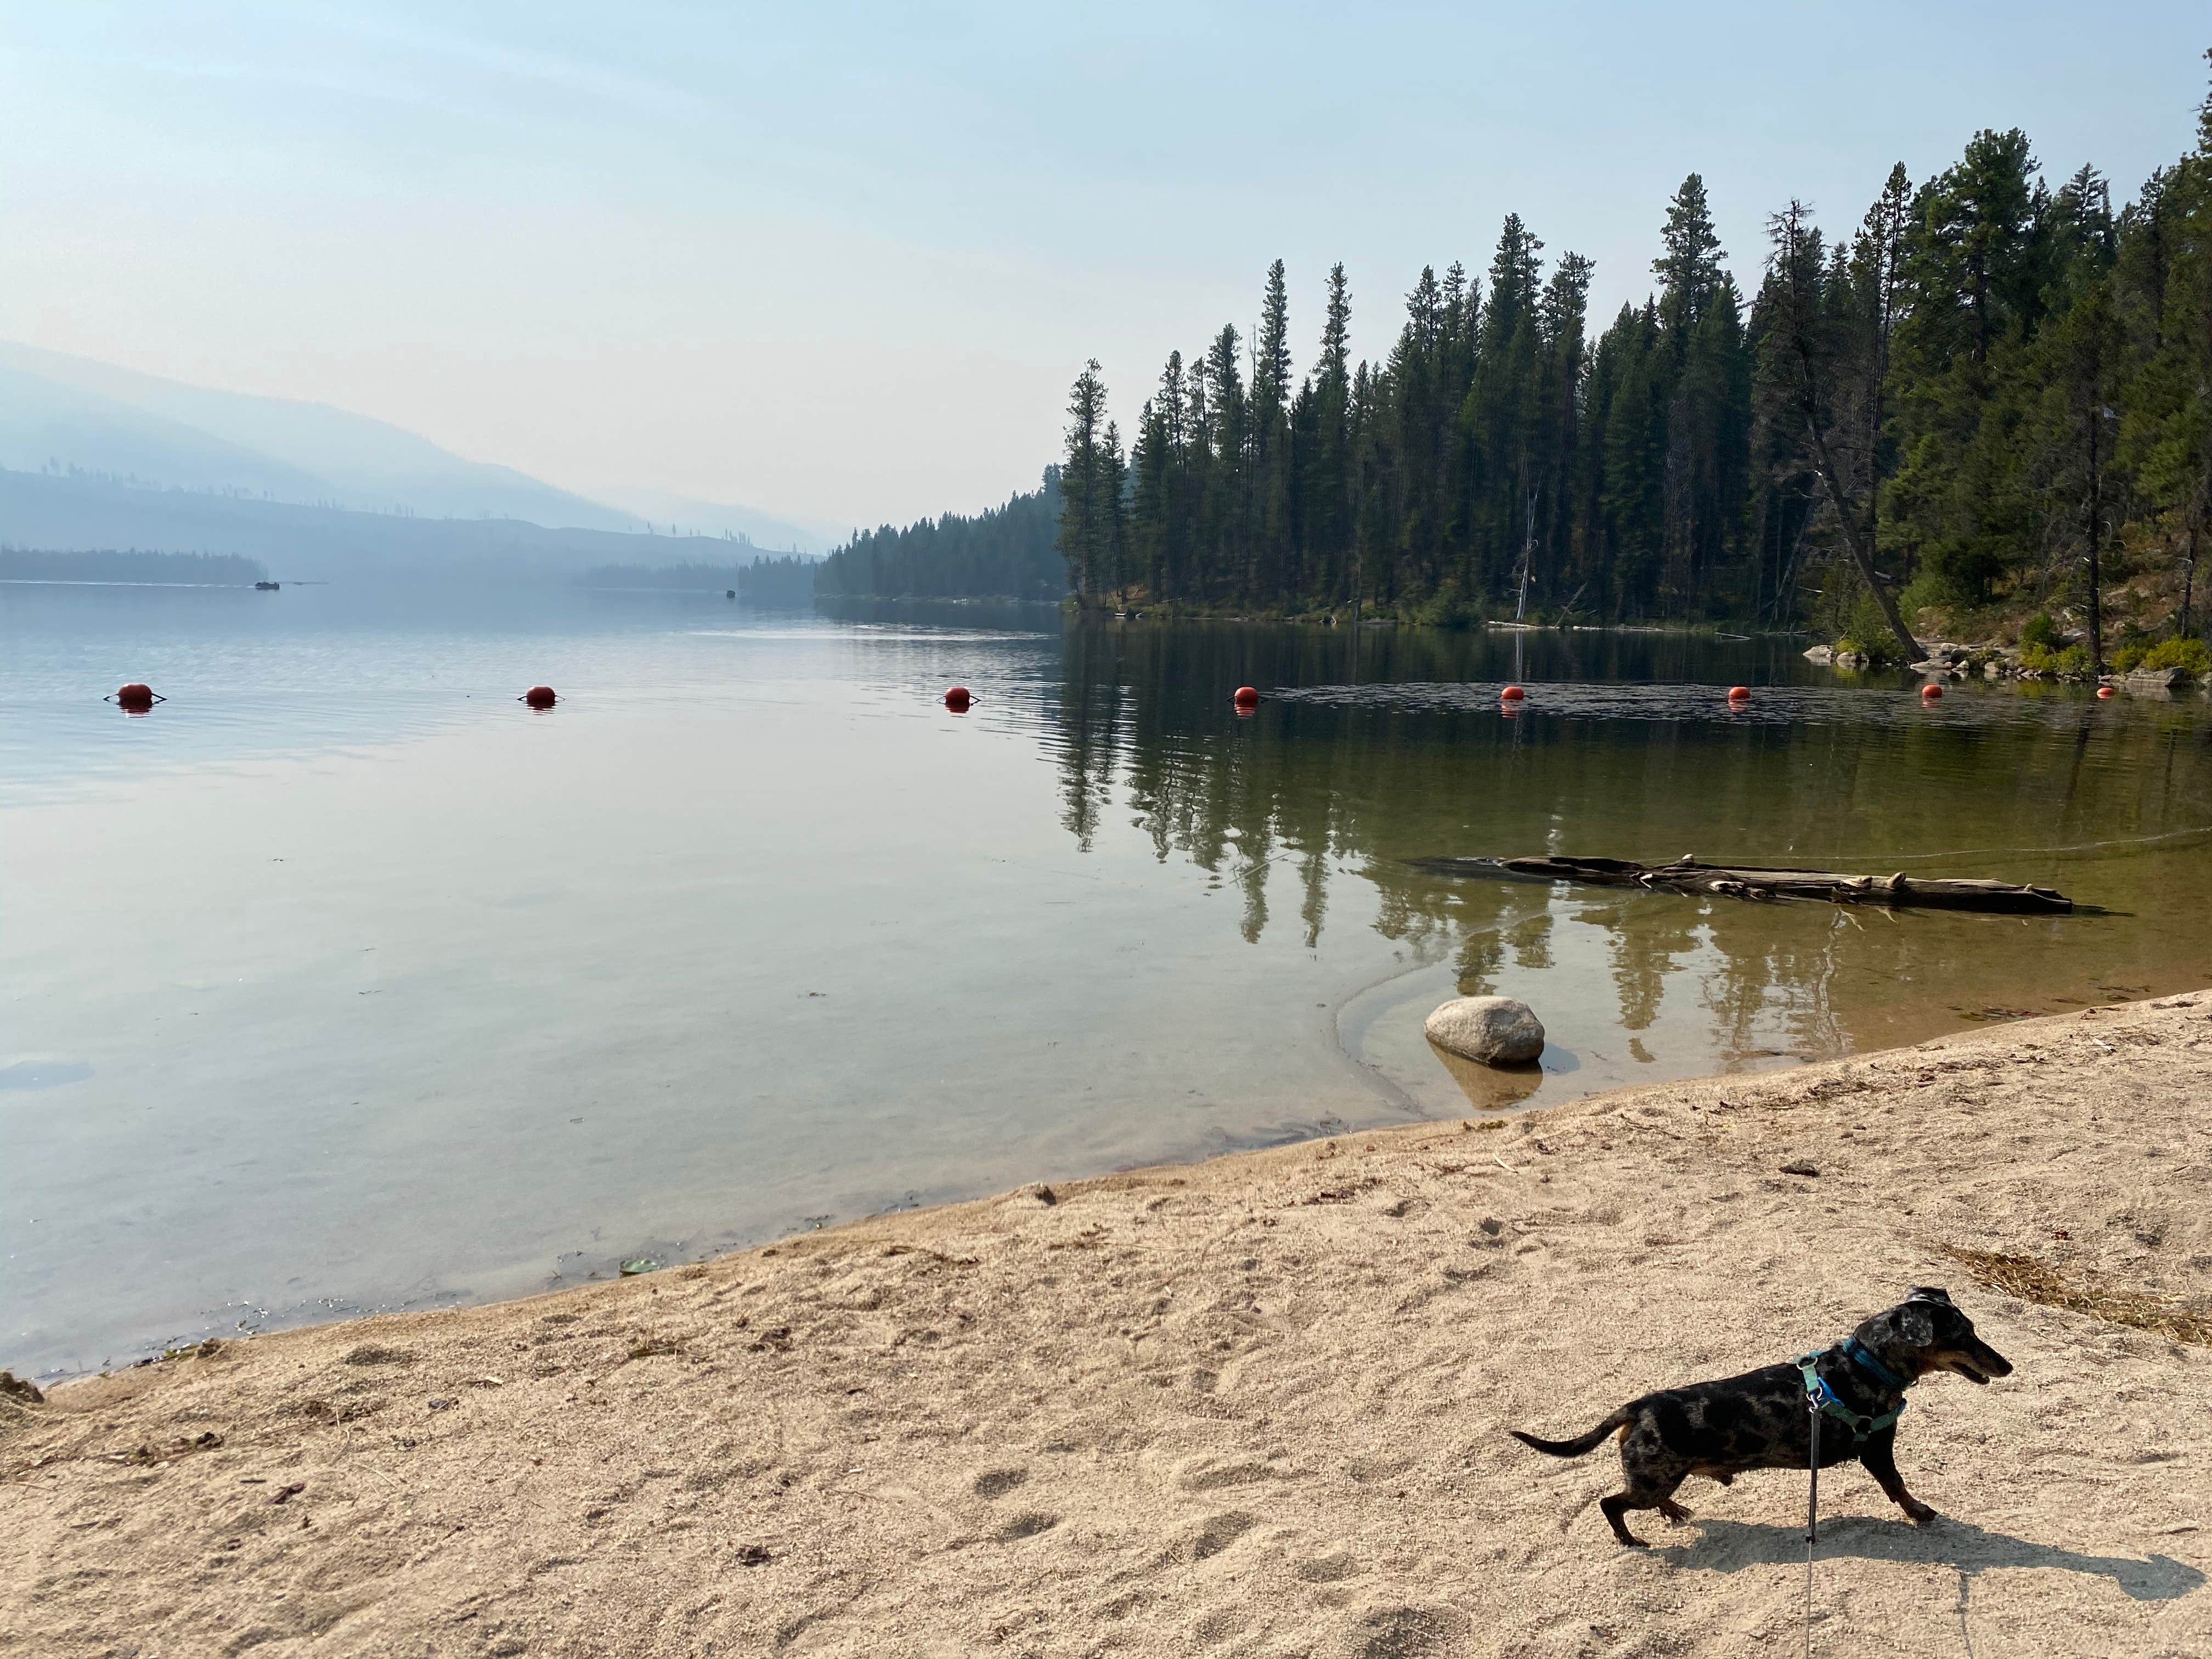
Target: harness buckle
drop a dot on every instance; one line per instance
(1820, 1397)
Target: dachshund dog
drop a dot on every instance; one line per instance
(1760, 1420)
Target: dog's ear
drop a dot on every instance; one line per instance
(1915, 1324)
(1927, 1293)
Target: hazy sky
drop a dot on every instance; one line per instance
(842, 260)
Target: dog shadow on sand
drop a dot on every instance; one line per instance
(1732, 1546)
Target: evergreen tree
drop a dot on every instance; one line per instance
(1325, 428)
(1690, 272)
(1086, 515)
(1274, 536)
(1557, 417)
(1112, 488)
(2079, 363)
(1226, 496)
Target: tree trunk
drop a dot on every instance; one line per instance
(2188, 577)
(2096, 538)
(1861, 554)
(1860, 544)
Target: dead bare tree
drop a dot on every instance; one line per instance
(1804, 335)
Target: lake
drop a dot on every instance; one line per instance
(343, 982)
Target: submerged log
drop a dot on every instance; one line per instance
(1687, 875)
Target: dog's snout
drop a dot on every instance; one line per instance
(1993, 1362)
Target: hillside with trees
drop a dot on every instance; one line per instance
(131, 565)
(1008, 552)
(1986, 393)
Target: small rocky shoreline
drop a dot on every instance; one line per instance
(1946, 660)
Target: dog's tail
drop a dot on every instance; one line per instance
(1582, 1443)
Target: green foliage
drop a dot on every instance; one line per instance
(2040, 631)
(1860, 626)
(1448, 609)
(1928, 592)
(2072, 663)
(2188, 653)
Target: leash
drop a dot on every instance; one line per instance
(1812, 1515)
(1821, 1401)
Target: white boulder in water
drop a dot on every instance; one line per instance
(1496, 1031)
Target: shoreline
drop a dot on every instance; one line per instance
(1253, 1404)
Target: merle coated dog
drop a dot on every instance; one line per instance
(1761, 1419)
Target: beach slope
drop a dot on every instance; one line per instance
(1252, 1406)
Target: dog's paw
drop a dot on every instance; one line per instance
(1920, 1515)
(1675, 1513)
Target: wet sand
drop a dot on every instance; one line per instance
(1252, 1406)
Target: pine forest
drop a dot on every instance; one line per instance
(1985, 391)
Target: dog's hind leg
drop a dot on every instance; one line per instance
(1613, 1508)
(1644, 1491)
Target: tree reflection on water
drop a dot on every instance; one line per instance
(1372, 748)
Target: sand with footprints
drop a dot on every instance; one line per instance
(1255, 1406)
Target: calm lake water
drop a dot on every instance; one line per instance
(342, 981)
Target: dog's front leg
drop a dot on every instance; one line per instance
(1881, 1460)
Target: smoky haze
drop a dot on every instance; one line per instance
(838, 266)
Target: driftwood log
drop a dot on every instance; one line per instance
(1687, 875)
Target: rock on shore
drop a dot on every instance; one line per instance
(1496, 1031)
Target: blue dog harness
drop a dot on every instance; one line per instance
(1819, 1397)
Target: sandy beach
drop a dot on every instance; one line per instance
(1255, 1406)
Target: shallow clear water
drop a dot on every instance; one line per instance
(343, 982)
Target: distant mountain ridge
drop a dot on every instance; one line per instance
(302, 543)
(687, 514)
(72, 411)
(60, 413)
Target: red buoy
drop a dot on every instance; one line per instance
(136, 696)
(2105, 691)
(1248, 696)
(539, 696)
(956, 698)
(1929, 693)
(1512, 694)
(1739, 693)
